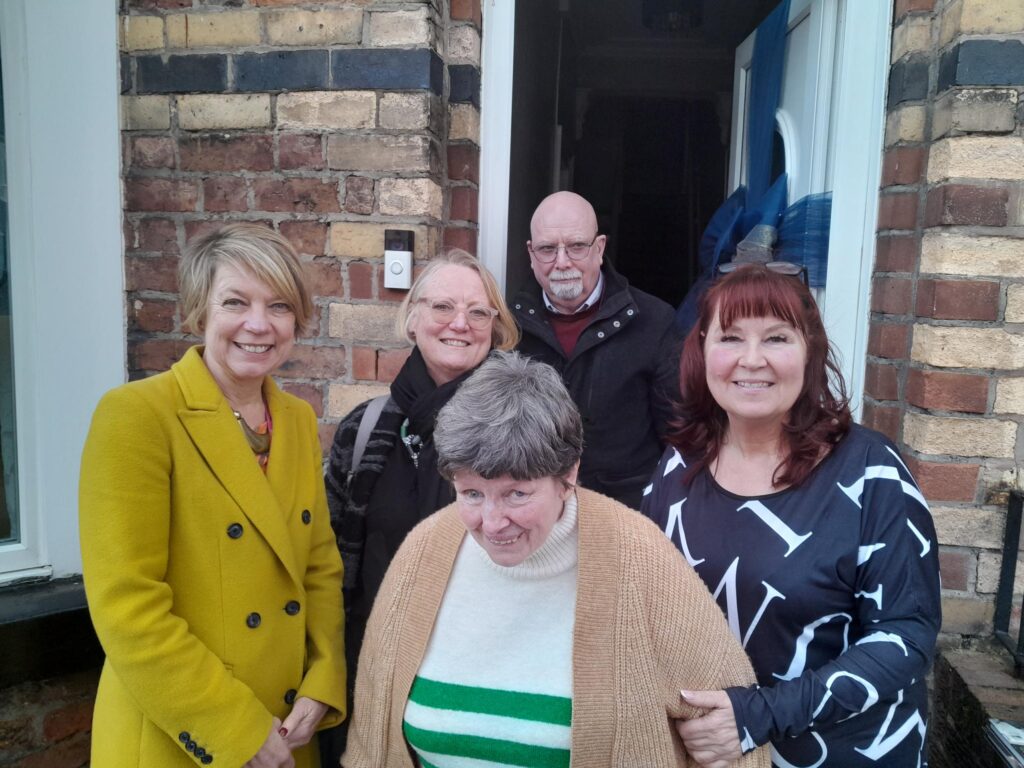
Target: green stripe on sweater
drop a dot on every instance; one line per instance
(537, 707)
(481, 748)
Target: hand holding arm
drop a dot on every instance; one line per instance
(300, 725)
(711, 739)
(274, 753)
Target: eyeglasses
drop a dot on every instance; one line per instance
(445, 311)
(778, 267)
(576, 251)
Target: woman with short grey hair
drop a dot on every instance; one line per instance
(513, 418)
(560, 629)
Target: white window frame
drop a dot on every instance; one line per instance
(61, 84)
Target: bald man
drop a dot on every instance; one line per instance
(616, 347)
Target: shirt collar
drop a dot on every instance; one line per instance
(592, 299)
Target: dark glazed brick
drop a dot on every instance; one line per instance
(465, 84)
(418, 69)
(983, 62)
(908, 80)
(126, 74)
(201, 73)
(293, 70)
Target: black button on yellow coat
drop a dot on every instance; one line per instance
(184, 736)
(235, 531)
(207, 759)
(306, 517)
(292, 607)
(289, 696)
(253, 620)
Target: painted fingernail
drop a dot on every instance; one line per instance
(283, 732)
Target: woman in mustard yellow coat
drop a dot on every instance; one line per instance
(211, 571)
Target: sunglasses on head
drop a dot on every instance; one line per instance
(779, 267)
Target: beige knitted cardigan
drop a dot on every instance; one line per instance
(645, 627)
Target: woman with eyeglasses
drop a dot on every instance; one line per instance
(809, 530)
(454, 315)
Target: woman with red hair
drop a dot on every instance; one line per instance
(809, 530)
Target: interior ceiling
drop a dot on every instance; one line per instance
(610, 26)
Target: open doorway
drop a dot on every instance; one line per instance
(628, 103)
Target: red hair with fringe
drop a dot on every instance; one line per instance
(819, 418)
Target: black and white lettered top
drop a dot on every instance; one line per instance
(832, 586)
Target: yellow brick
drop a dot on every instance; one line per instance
(410, 197)
(404, 110)
(365, 240)
(145, 113)
(949, 23)
(464, 44)
(980, 527)
(143, 33)
(177, 30)
(977, 157)
(966, 615)
(373, 323)
(230, 28)
(986, 17)
(977, 256)
(913, 34)
(1009, 396)
(988, 573)
(198, 112)
(342, 398)
(940, 435)
(1015, 304)
(958, 347)
(314, 27)
(327, 109)
(464, 123)
(401, 28)
(905, 124)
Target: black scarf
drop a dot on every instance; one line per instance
(421, 399)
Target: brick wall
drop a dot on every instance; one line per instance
(47, 724)
(330, 121)
(945, 348)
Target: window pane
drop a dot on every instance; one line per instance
(8, 446)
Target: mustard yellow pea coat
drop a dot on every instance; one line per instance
(215, 590)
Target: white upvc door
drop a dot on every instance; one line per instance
(831, 120)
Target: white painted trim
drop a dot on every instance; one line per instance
(858, 123)
(497, 58)
(61, 111)
(849, 103)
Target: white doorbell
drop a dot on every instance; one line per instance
(398, 247)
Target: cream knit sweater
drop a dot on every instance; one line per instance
(645, 627)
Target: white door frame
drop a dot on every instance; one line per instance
(858, 117)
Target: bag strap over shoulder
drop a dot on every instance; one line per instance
(366, 425)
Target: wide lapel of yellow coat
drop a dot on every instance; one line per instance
(210, 423)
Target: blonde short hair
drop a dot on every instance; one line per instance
(252, 248)
(504, 331)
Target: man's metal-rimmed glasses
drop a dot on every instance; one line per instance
(577, 251)
(779, 267)
(477, 315)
